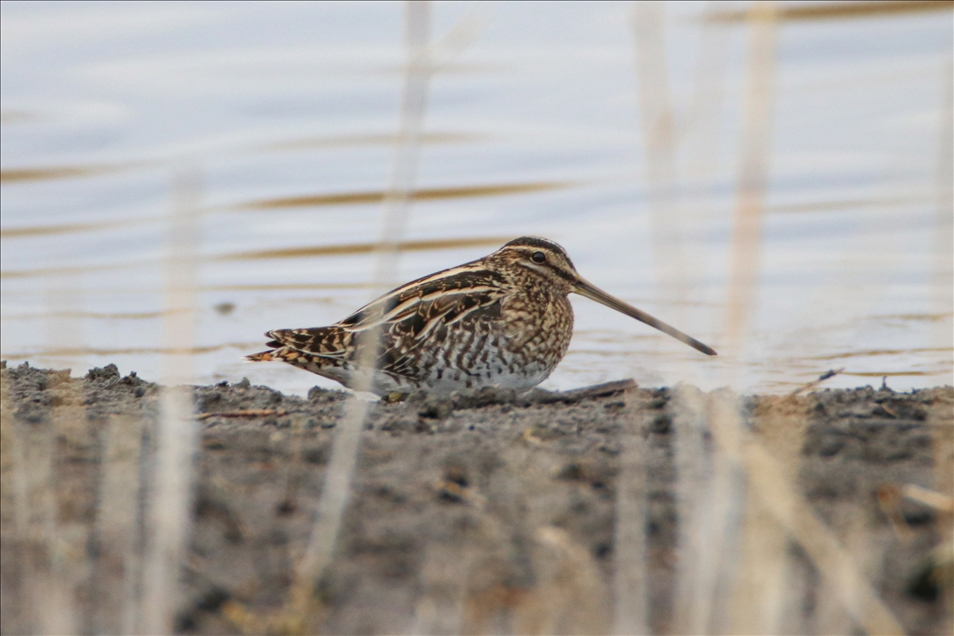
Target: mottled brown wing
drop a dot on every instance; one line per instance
(424, 312)
(330, 342)
(449, 316)
(417, 296)
(419, 314)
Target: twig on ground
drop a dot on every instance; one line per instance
(246, 413)
(814, 383)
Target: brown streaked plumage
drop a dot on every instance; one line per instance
(502, 320)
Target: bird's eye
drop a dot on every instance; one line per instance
(538, 257)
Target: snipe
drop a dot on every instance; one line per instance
(503, 320)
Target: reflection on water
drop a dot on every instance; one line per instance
(44, 174)
(134, 351)
(842, 10)
(533, 127)
(879, 352)
(71, 172)
(365, 140)
(290, 252)
(429, 194)
(63, 228)
(366, 248)
(94, 315)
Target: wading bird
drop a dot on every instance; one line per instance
(503, 320)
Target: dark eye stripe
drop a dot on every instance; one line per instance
(554, 269)
(565, 276)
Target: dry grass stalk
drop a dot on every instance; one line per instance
(942, 269)
(337, 484)
(170, 500)
(659, 136)
(775, 486)
(754, 152)
(711, 498)
(630, 583)
(117, 520)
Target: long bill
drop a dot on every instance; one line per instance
(583, 288)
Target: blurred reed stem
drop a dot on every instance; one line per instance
(711, 492)
(942, 274)
(46, 592)
(170, 498)
(754, 155)
(335, 490)
(630, 579)
(659, 135)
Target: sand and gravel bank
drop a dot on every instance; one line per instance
(493, 513)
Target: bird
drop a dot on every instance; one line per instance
(504, 320)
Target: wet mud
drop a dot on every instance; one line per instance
(489, 513)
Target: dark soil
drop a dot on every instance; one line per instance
(488, 513)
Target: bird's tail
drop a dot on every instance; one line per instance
(264, 356)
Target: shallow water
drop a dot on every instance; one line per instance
(273, 129)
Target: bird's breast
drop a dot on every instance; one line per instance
(538, 326)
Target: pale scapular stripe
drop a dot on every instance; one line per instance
(408, 306)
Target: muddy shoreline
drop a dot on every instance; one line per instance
(491, 513)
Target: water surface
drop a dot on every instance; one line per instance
(283, 120)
